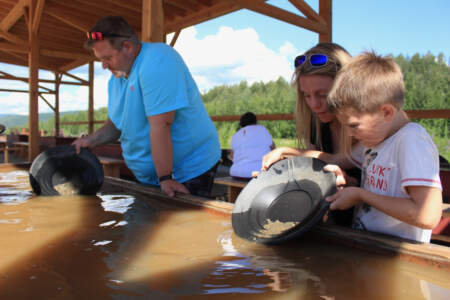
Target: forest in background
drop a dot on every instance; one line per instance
(427, 80)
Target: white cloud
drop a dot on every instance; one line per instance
(231, 56)
(227, 57)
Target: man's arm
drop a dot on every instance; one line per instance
(105, 134)
(161, 143)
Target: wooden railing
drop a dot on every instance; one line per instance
(413, 114)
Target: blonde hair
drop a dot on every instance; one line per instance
(337, 56)
(367, 82)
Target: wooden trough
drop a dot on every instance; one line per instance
(426, 254)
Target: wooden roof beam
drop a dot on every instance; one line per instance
(76, 77)
(67, 19)
(220, 9)
(182, 5)
(6, 76)
(67, 55)
(37, 16)
(14, 48)
(72, 65)
(302, 6)
(12, 38)
(206, 3)
(127, 5)
(175, 37)
(12, 77)
(13, 16)
(280, 14)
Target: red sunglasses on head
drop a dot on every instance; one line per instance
(100, 36)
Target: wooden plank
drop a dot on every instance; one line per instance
(69, 55)
(13, 38)
(201, 15)
(175, 37)
(325, 11)
(230, 181)
(37, 16)
(60, 14)
(427, 254)
(14, 47)
(33, 123)
(302, 6)
(13, 16)
(282, 15)
(152, 29)
(91, 98)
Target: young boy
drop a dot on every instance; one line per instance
(400, 190)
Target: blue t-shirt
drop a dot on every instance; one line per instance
(160, 82)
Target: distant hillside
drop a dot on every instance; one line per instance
(22, 121)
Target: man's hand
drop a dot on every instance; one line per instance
(170, 187)
(83, 142)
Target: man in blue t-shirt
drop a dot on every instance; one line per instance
(155, 108)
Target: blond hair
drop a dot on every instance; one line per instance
(337, 56)
(363, 85)
(367, 82)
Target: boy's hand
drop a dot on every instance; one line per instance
(344, 198)
(342, 179)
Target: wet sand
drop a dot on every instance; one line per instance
(125, 246)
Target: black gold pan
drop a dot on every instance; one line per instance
(61, 171)
(283, 202)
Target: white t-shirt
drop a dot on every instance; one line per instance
(409, 157)
(249, 145)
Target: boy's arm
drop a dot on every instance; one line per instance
(423, 209)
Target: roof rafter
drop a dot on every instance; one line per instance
(261, 7)
(13, 16)
(302, 6)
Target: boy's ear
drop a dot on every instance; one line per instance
(388, 111)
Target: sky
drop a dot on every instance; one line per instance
(248, 46)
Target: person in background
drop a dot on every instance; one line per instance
(400, 191)
(155, 108)
(248, 146)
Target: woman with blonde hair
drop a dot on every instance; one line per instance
(318, 130)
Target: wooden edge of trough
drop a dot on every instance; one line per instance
(427, 254)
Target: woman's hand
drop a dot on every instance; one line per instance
(276, 155)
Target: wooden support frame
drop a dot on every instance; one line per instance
(33, 65)
(325, 11)
(91, 98)
(264, 8)
(152, 21)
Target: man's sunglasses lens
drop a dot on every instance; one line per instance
(318, 60)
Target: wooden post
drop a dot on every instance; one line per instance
(325, 11)
(91, 98)
(33, 66)
(57, 83)
(152, 21)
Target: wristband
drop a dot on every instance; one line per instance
(165, 177)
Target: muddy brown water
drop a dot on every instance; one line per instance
(127, 246)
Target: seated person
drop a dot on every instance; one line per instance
(248, 146)
(400, 191)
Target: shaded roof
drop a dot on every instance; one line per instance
(64, 23)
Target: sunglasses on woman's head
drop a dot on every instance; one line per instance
(316, 60)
